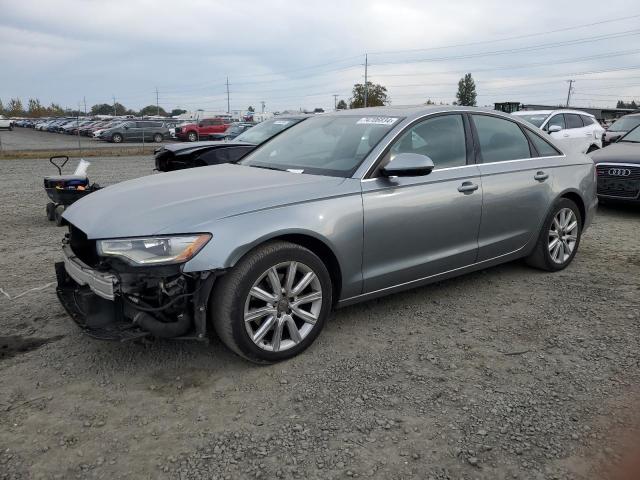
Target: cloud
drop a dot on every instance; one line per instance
(299, 53)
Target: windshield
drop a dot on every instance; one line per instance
(323, 145)
(633, 136)
(535, 119)
(265, 130)
(625, 124)
(236, 128)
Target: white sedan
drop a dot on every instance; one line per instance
(573, 130)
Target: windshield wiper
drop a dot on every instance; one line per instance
(268, 168)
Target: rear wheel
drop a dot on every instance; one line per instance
(57, 215)
(51, 207)
(192, 136)
(273, 303)
(158, 137)
(559, 238)
(116, 138)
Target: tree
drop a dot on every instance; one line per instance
(620, 104)
(429, 102)
(14, 109)
(623, 104)
(466, 91)
(251, 109)
(376, 95)
(35, 108)
(107, 109)
(152, 110)
(342, 105)
(54, 110)
(177, 111)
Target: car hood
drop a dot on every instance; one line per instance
(188, 201)
(182, 148)
(623, 152)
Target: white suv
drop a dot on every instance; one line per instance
(573, 130)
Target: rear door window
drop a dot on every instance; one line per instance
(500, 139)
(573, 121)
(587, 120)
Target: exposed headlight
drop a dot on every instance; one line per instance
(161, 250)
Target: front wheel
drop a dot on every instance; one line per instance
(116, 138)
(192, 136)
(158, 137)
(559, 238)
(273, 304)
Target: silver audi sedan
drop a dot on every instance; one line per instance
(339, 209)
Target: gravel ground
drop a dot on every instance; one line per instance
(30, 139)
(508, 373)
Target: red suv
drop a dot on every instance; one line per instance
(201, 130)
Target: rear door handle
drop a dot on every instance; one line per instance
(541, 176)
(467, 187)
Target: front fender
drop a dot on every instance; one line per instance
(337, 222)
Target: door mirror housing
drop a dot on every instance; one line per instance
(408, 165)
(554, 128)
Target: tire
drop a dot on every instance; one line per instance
(544, 256)
(192, 136)
(51, 214)
(116, 138)
(158, 137)
(59, 210)
(231, 301)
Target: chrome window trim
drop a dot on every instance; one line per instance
(612, 164)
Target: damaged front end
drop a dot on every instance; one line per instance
(112, 298)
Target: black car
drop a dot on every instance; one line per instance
(620, 127)
(618, 168)
(233, 131)
(178, 156)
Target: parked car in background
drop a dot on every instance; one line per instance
(177, 156)
(232, 132)
(618, 168)
(341, 208)
(6, 123)
(136, 131)
(573, 130)
(620, 127)
(193, 132)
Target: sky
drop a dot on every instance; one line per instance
(299, 54)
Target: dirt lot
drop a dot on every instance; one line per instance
(508, 373)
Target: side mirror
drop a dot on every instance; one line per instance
(126, 127)
(408, 165)
(554, 128)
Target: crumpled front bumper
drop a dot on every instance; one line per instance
(94, 301)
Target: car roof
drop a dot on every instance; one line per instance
(411, 111)
(549, 112)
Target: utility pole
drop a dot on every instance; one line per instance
(114, 106)
(366, 83)
(262, 102)
(335, 101)
(157, 103)
(569, 92)
(228, 102)
(84, 100)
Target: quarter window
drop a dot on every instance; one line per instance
(587, 120)
(573, 120)
(440, 138)
(544, 148)
(500, 140)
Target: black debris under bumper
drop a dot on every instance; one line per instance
(99, 318)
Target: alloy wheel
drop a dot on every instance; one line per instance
(563, 235)
(283, 306)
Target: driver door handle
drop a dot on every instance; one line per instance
(541, 176)
(467, 187)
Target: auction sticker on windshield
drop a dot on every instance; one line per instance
(377, 121)
(282, 122)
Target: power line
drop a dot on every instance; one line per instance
(543, 46)
(517, 37)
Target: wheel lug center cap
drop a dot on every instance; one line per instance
(283, 304)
